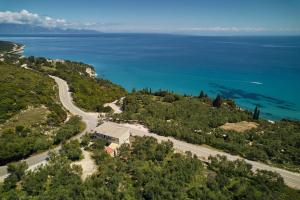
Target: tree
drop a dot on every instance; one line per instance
(86, 139)
(217, 102)
(10, 182)
(17, 168)
(256, 113)
(22, 131)
(169, 98)
(72, 150)
(17, 171)
(202, 95)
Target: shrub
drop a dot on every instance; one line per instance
(72, 150)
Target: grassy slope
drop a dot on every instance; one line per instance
(29, 111)
(21, 88)
(32, 118)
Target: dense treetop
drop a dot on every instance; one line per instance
(6, 46)
(146, 170)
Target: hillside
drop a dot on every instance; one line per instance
(6, 46)
(89, 92)
(196, 120)
(21, 88)
(144, 170)
(31, 117)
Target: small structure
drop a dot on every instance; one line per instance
(112, 149)
(113, 133)
(109, 151)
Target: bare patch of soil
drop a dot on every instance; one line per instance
(239, 126)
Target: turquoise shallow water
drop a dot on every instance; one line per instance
(263, 71)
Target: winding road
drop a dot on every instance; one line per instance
(90, 119)
(292, 179)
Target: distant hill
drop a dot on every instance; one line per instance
(31, 29)
(6, 46)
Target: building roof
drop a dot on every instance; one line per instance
(113, 146)
(112, 129)
(109, 150)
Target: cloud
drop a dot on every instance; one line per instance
(26, 17)
(224, 29)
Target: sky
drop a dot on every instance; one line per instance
(207, 17)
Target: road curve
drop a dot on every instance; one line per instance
(90, 119)
(292, 179)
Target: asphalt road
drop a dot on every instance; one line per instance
(292, 179)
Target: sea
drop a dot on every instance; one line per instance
(261, 71)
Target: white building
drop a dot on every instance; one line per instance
(113, 132)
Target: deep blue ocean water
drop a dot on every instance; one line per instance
(262, 71)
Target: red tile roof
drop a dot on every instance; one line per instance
(109, 150)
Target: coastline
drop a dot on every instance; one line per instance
(159, 62)
(19, 50)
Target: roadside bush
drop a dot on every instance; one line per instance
(72, 150)
(71, 128)
(169, 98)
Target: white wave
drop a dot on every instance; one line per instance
(255, 82)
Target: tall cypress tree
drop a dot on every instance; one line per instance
(256, 113)
(202, 94)
(217, 102)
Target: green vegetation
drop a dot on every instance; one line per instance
(85, 140)
(22, 142)
(89, 93)
(69, 129)
(196, 121)
(72, 150)
(17, 171)
(21, 88)
(16, 144)
(29, 112)
(148, 170)
(217, 102)
(6, 46)
(256, 113)
(32, 118)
